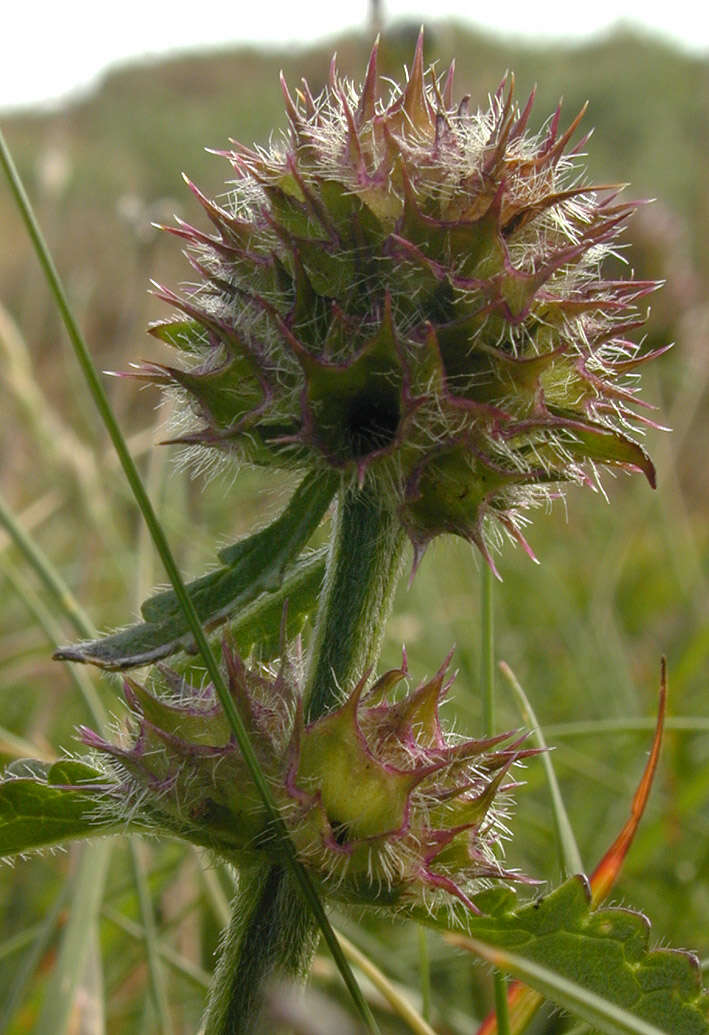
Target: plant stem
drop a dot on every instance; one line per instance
(158, 985)
(399, 1002)
(300, 875)
(487, 652)
(362, 573)
(425, 973)
(567, 849)
(272, 933)
(487, 689)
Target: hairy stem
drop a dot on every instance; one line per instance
(266, 903)
(363, 569)
(272, 932)
(487, 686)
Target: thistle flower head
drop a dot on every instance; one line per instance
(411, 292)
(382, 804)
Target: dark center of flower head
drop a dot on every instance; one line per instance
(340, 831)
(371, 421)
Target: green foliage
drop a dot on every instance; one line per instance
(253, 566)
(43, 805)
(617, 586)
(596, 963)
(592, 960)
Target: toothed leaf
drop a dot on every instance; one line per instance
(595, 963)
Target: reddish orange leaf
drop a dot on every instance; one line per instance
(606, 873)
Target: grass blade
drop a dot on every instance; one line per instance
(158, 536)
(199, 977)
(68, 973)
(569, 855)
(398, 1002)
(487, 690)
(42, 936)
(44, 568)
(152, 952)
(46, 621)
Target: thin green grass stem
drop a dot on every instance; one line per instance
(567, 849)
(131, 472)
(40, 936)
(52, 630)
(398, 1002)
(487, 692)
(70, 969)
(197, 975)
(424, 973)
(620, 726)
(156, 477)
(487, 651)
(40, 563)
(155, 969)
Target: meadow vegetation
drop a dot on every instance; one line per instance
(620, 583)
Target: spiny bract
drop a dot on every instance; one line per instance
(382, 805)
(411, 292)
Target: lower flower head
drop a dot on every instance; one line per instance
(382, 804)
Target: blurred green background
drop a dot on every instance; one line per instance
(620, 582)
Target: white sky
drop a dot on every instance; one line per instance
(50, 48)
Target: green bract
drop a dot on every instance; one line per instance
(411, 292)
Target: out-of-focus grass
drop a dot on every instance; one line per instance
(619, 583)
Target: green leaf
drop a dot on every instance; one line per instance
(252, 567)
(41, 804)
(596, 964)
(258, 623)
(260, 561)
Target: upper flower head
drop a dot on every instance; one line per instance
(411, 292)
